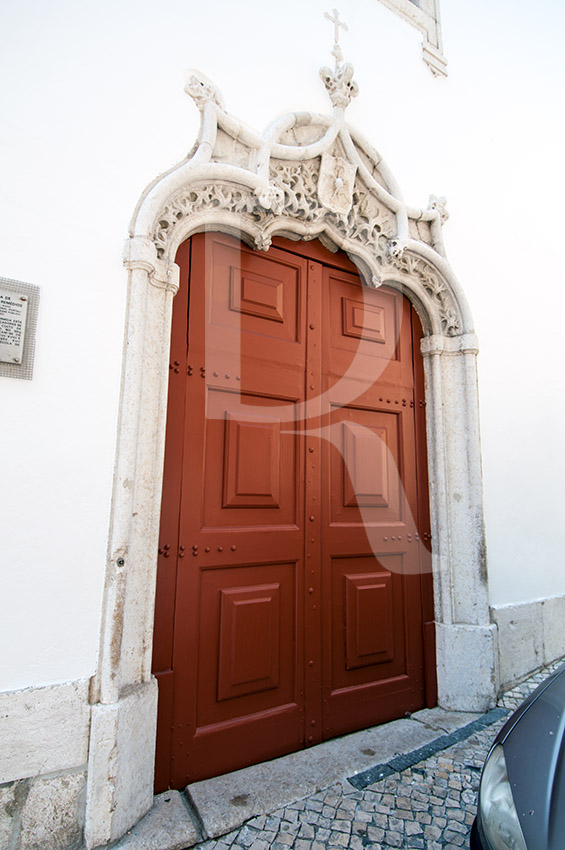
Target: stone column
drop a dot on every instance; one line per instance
(466, 639)
(124, 694)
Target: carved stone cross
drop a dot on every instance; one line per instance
(336, 22)
(334, 18)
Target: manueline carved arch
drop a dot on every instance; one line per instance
(307, 176)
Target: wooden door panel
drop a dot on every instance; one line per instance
(247, 642)
(368, 607)
(358, 314)
(252, 485)
(374, 674)
(262, 297)
(235, 706)
(255, 295)
(366, 470)
(248, 657)
(252, 462)
(172, 473)
(368, 335)
(365, 463)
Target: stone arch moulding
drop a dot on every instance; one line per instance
(308, 176)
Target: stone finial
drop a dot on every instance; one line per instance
(202, 90)
(339, 83)
(439, 204)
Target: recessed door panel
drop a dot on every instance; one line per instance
(368, 610)
(251, 462)
(247, 642)
(368, 598)
(365, 461)
(376, 672)
(254, 294)
(248, 658)
(366, 473)
(369, 335)
(249, 485)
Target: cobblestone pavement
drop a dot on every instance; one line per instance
(429, 806)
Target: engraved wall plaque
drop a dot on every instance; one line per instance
(13, 314)
(18, 319)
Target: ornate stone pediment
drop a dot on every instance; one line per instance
(307, 176)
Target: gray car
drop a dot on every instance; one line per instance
(522, 790)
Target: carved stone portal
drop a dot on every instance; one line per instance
(308, 176)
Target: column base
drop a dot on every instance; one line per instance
(121, 764)
(467, 666)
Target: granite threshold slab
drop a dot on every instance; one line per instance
(214, 807)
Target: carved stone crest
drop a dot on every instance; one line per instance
(335, 183)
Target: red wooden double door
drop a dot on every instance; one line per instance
(294, 590)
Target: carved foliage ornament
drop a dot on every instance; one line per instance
(435, 286)
(367, 224)
(294, 189)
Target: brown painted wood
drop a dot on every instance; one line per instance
(373, 660)
(298, 596)
(424, 526)
(168, 533)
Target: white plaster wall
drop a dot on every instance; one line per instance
(94, 108)
(515, 181)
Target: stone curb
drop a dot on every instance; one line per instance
(399, 763)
